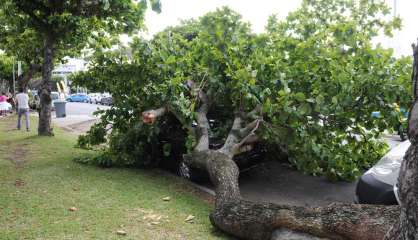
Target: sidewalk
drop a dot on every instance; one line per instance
(77, 124)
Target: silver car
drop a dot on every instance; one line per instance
(379, 184)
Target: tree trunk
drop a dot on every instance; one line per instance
(23, 80)
(406, 226)
(44, 127)
(249, 220)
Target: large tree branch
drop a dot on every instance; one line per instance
(249, 220)
(23, 80)
(150, 116)
(255, 113)
(233, 136)
(240, 136)
(202, 130)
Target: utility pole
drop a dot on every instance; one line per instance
(14, 78)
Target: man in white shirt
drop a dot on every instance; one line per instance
(22, 100)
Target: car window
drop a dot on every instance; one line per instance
(54, 96)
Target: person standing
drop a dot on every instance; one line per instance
(22, 99)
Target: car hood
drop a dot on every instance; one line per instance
(387, 169)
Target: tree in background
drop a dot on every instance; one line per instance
(6, 72)
(66, 25)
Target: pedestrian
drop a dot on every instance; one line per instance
(4, 105)
(11, 101)
(22, 100)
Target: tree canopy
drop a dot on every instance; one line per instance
(47, 29)
(315, 83)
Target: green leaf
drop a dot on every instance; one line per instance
(300, 96)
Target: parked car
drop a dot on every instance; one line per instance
(34, 100)
(379, 184)
(107, 100)
(55, 97)
(79, 97)
(95, 98)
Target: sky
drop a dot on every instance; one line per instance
(257, 12)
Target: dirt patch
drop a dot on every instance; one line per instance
(17, 155)
(19, 183)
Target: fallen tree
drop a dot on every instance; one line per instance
(249, 220)
(307, 87)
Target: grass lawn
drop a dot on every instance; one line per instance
(39, 183)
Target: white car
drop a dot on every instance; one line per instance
(54, 97)
(379, 184)
(95, 98)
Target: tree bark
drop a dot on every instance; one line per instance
(249, 220)
(23, 80)
(406, 226)
(44, 127)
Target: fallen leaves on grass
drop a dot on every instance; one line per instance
(72, 209)
(189, 219)
(121, 232)
(19, 183)
(166, 199)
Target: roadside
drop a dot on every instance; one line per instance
(79, 117)
(45, 195)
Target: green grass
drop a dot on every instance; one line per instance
(39, 182)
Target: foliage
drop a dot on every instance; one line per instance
(317, 76)
(60, 27)
(6, 69)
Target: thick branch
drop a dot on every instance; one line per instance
(238, 136)
(23, 80)
(202, 131)
(150, 116)
(255, 113)
(248, 220)
(233, 136)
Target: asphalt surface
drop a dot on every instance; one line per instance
(87, 109)
(268, 182)
(79, 117)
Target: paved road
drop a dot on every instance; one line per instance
(87, 109)
(79, 116)
(269, 182)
